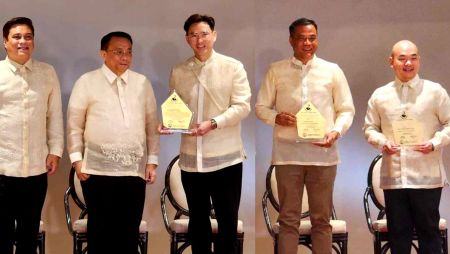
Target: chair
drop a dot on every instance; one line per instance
(78, 228)
(41, 238)
(178, 227)
(378, 227)
(339, 227)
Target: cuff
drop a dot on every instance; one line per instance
(338, 131)
(77, 156)
(220, 120)
(56, 151)
(435, 144)
(152, 159)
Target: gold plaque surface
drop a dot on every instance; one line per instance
(310, 122)
(176, 114)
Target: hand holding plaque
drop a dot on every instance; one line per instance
(310, 123)
(407, 131)
(176, 114)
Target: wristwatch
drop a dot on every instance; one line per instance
(213, 124)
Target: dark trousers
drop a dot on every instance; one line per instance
(223, 188)
(409, 209)
(115, 205)
(21, 201)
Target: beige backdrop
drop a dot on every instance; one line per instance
(357, 35)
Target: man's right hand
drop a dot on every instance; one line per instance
(391, 148)
(286, 119)
(163, 130)
(81, 176)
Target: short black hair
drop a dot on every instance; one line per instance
(17, 21)
(301, 22)
(197, 18)
(107, 38)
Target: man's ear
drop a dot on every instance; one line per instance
(102, 54)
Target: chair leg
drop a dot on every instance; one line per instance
(42, 246)
(376, 244)
(173, 245)
(444, 242)
(79, 246)
(344, 246)
(144, 243)
(275, 246)
(75, 245)
(241, 246)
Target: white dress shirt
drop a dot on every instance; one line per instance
(287, 85)
(215, 89)
(112, 123)
(424, 101)
(31, 122)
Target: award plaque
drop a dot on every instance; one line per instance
(310, 123)
(176, 115)
(407, 131)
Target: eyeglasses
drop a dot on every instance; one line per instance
(305, 38)
(196, 36)
(27, 37)
(120, 53)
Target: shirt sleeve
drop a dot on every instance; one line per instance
(343, 103)
(76, 120)
(151, 126)
(239, 102)
(442, 137)
(55, 129)
(372, 125)
(265, 101)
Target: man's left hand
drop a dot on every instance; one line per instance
(329, 140)
(52, 164)
(150, 173)
(424, 148)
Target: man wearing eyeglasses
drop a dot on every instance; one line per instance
(113, 144)
(289, 86)
(412, 172)
(31, 134)
(216, 89)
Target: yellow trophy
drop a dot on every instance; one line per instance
(176, 115)
(310, 123)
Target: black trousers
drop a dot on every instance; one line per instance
(21, 201)
(223, 188)
(409, 209)
(115, 205)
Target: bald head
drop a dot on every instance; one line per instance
(403, 45)
(405, 60)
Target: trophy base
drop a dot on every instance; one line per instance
(308, 140)
(180, 131)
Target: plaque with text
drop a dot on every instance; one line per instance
(407, 131)
(176, 115)
(310, 122)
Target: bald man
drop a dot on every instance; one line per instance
(412, 175)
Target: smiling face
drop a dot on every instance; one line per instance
(304, 42)
(118, 55)
(19, 44)
(405, 60)
(201, 39)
